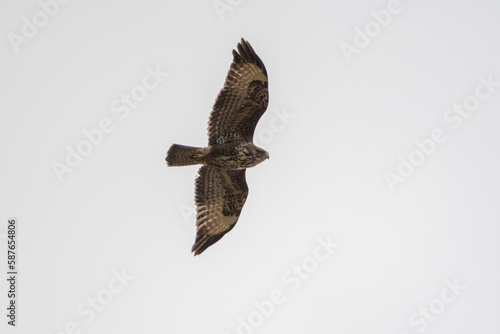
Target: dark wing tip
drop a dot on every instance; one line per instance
(247, 54)
(204, 241)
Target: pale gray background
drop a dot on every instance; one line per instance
(123, 208)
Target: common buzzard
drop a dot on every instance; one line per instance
(221, 188)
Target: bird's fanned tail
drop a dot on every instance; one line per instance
(180, 155)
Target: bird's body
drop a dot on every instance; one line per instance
(232, 155)
(221, 188)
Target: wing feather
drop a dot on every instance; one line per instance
(220, 195)
(242, 101)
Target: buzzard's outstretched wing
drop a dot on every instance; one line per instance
(220, 195)
(243, 99)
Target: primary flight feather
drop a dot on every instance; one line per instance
(221, 188)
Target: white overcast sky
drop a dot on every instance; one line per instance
(377, 211)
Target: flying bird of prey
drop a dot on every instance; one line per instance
(221, 188)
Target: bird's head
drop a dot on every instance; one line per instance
(261, 155)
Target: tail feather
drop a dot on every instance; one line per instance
(180, 155)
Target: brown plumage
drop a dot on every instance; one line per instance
(221, 188)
